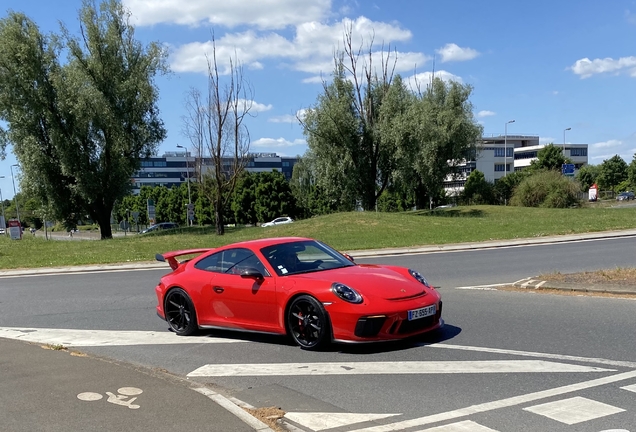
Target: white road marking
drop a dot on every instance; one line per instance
(503, 403)
(482, 287)
(464, 426)
(390, 368)
(631, 388)
(92, 338)
(317, 421)
(574, 410)
(627, 364)
(89, 396)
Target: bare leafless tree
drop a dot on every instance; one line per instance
(216, 130)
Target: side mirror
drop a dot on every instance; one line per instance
(349, 257)
(252, 273)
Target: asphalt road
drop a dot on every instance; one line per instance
(506, 361)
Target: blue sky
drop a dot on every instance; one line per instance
(548, 65)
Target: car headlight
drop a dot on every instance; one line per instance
(418, 277)
(345, 293)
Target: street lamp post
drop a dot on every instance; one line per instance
(188, 179)
(506, 148)
(4, 219)
(566, 129)
(15, 195)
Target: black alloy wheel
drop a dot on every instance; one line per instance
(180, 313)
(308, 323)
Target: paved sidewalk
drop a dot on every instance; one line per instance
(60, 391)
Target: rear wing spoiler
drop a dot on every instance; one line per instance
(171, 257)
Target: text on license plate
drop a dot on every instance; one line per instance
(421, 312)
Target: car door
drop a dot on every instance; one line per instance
(235, 301)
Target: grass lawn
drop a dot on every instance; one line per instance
(343, 231)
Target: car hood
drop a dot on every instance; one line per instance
(373, 280)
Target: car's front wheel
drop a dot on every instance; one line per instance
(180, 312)
(308, 323)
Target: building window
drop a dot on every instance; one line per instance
(578, 152)
(146, 163)
(285, 164)
(160, 163)
(499, 152)
(499, 167)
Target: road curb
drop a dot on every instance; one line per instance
(609, 288)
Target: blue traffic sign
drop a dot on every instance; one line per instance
(567, 169)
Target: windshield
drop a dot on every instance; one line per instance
(303, 257)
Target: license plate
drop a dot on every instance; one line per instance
(422, 312)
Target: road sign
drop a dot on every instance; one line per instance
(567, 169)
(124, 225)
(135, 216)
(15, 229)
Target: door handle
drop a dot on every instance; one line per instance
(218, 289)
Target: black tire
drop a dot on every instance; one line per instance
(308, 323)
(180, 313)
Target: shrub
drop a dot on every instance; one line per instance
(547, 189)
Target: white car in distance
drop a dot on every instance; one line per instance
(278, 221)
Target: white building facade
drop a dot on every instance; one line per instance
(498, 155)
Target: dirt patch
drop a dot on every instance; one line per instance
(269, 416)
(618, 276)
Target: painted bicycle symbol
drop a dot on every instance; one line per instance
(118, 399)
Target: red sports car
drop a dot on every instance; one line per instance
(295, 286)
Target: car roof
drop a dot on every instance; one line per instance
(261, 243)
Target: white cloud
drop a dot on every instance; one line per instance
(272, 143)
(453, 52)
(311, 50)
(607, 144)
(586, 67)
(264, 14)
(288, 118)
(421, 80)
(485, 113)
(546, 140)
(257, 107)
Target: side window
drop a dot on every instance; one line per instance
(231, 261)
(211, 263)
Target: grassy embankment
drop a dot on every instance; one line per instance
(344, 231)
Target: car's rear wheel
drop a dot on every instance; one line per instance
(180, 313)
(308, 323)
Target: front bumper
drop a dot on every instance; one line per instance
(395, 325)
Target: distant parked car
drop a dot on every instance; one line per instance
(160, 226)
(625, 196)
(278, 221)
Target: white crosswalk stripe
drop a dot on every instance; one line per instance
(391, 368)
(95, 338)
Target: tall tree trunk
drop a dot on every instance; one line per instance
(105, 229)
(218, 216)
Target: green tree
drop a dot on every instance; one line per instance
(631, 173)
(80, 129)
(587, 175)
(442, 134)
(477, 190)
(348, 129)
(274, 197)
(613, 171)
(550, 157)
(504, 187)
(244, 199)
